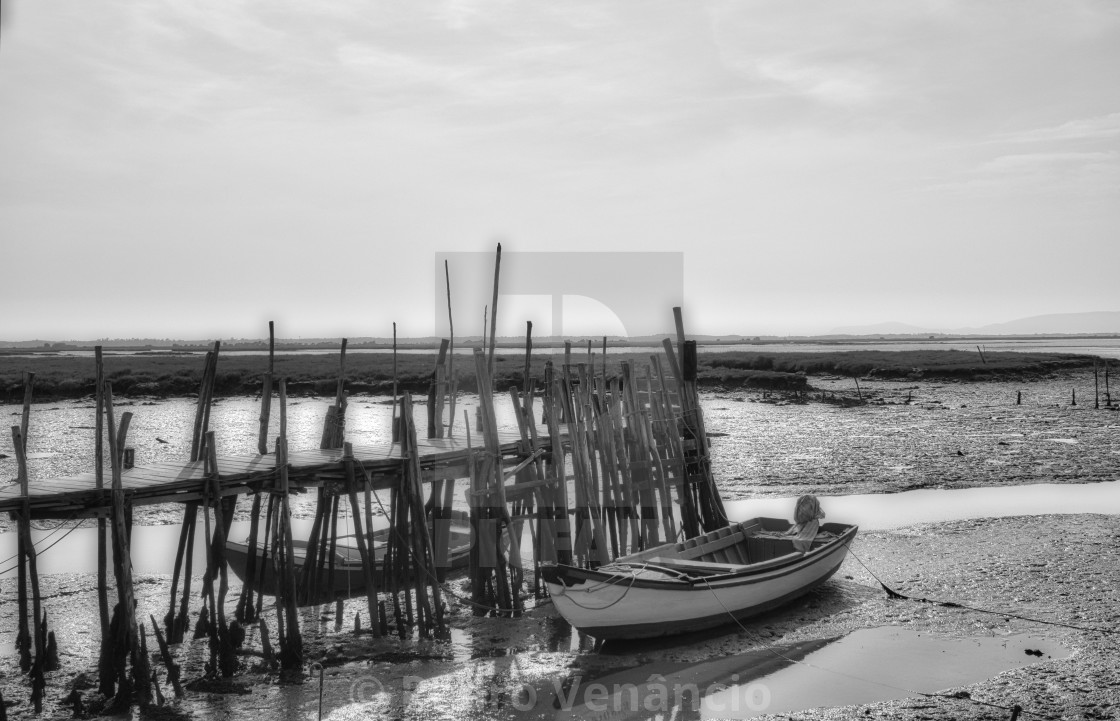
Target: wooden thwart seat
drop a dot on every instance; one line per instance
(702, 568)
(712, 568)
(711, 547)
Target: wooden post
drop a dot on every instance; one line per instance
(26, 554)
(25, 418)
(678, 321)
(226, 655)
(982, 358)
(266, 392)
(334, 425)
(127, 642)
(177, 624)
(436, 392)
(526, 377)
(422, 550)
(291, 653)
(395, 430)
(451, 380)
(494, 312)
(1096, 387)
(858, 391)
(360, 536)
(106, 684)
(168, 662)
(604, 359)
(1073, 399)
(245, 606)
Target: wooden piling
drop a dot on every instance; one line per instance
(451, 380)
(494, 311)
(126, 642)
(225, 659)
(291, 651)
(360, 535)
(27, 568)
(429, 597)
(176, 624)
(104, 661)
(266, 392)
(173, 669)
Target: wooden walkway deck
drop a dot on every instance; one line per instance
(78, 496)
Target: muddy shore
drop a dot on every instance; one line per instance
(928, 434)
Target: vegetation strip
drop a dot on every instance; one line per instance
(58, 377)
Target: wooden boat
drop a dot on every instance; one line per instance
(349, 579)
(729, 574)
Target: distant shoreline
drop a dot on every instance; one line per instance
(178, 375)
(288, 345)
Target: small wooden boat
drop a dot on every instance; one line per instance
(349, 579)
(720, 577)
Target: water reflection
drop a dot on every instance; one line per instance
(862, 667)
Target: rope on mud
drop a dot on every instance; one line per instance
(1015, 710)
(891, 593)
(625, 593)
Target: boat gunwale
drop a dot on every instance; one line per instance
(744, 576)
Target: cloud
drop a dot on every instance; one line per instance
(1042, 162)
(1101, 127)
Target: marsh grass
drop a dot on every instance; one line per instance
(179, 375)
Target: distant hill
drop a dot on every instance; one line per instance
(1096, 322)
(1088, 323)
(888, 328)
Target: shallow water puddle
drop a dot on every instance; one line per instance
(873, 511)
(879, 664)
(865, 666)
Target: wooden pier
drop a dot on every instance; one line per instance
(614, 465)
(156, 483)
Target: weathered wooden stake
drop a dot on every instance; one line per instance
(126, 645)
(266, 392)
(451, 380)
(105, 669)
(168, 662)
(291, 652)
(360, 536)
(494, 312)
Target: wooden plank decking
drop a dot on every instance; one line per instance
(164, 482)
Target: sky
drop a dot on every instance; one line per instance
(195, 169)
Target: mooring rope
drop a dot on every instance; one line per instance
(1015, 710)
(53, 531)
(44, 550)
(891, 593)
(633, 578)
